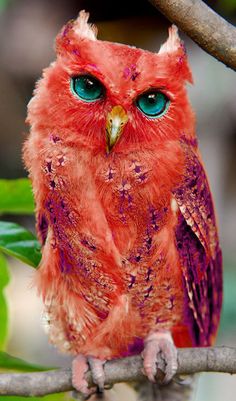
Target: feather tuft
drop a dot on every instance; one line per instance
(82, 28)
(174, 48)
(173, 43)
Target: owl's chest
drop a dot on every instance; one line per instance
(134, 198)
(129, 188)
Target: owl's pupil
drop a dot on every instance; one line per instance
(89, 84)
(152, 98)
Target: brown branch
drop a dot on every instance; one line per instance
(210, 31)
(190, 360)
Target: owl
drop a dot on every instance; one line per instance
(131, 260)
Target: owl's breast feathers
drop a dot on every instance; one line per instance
(111, 269)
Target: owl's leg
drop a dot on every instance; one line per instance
(80, 366)
(159, 342)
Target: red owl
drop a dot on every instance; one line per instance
(131, 258)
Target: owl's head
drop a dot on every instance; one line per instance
(112, 97)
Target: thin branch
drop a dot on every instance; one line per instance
(210, 31)
(190, 360)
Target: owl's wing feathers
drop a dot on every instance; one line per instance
(200, 255)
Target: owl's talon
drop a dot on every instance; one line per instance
(159, 342)
(80, 367)
(96, 367)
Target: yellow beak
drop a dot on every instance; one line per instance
(116, 121)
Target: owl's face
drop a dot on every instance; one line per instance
(111, 97)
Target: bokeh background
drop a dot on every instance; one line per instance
(27, 32)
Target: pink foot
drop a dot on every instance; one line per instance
(159, 342)
(80, 367)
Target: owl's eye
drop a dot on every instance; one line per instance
(87, 88)
(153, 103)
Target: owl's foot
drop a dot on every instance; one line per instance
(80, 367)
(97, 370)
(159, 342)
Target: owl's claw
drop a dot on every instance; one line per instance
(80, 367)
(159, 342)
(96, 367)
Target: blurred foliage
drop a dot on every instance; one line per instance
(51, 397)
(10, 362)
(16, 196)
(229, 6)
(18, 242)
(4, 279)
(3, 4)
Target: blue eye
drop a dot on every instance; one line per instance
(153, 103)
(87, 88)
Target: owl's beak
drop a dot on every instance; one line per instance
(116, 121)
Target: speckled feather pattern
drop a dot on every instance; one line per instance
(198, 246)
(129, 238)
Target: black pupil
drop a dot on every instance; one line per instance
(152, 98)
(89, 84)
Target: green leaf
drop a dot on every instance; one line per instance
(20, 243)
(10, 362)
(4, 279)
(50, 397)
(16, 196)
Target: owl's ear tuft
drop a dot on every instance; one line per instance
(174, 47)
(74, 31)
(83, 29)
(173, 42)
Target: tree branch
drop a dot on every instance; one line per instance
(190, 360)
(210, 31)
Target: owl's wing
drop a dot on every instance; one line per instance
(200, 254)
